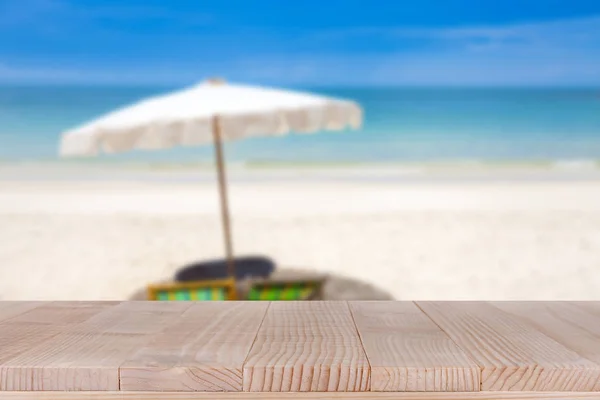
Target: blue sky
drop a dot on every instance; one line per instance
(308, 42)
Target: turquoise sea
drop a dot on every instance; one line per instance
(401, 125)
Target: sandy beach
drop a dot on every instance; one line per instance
(97, 234)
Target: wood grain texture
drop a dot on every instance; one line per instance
(17, 338)
(408, 352)
(135, 317)
(27, 324)
(297, 396)
(166, 349)
(203, 351)
(513, 355)
(87, 355)
(590, 306)
(568, 324)
(62, 313)
(307, 346)
(10, 309)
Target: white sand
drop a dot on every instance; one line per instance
(447, 239)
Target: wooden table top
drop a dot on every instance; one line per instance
(191, 350)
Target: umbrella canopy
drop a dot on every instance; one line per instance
(187, 118)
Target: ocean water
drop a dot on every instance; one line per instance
(401, 125)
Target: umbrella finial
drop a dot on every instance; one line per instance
(215, 81)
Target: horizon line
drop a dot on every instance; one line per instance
(313, 85)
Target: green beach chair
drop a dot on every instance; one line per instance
(193, 291)
(299, 290)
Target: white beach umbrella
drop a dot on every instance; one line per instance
(210, 112)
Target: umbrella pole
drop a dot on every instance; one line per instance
(223, 196)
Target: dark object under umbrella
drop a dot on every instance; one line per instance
(245, 267)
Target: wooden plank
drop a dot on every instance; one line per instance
(307, 346)
(513, 355)
(63, 313)
(87, 356)
(28, 324)
(204, 351)
(17, 338)
(10, 309)
(568, 324)
(299, 396)
(135, 317)
(408, 352)
(79, 346)
(590, 306)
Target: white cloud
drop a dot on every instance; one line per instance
(67, 75)
(17, 75)
(580, 30)
(485, 69)
(577, 29)
(564, 52)
(561, 52)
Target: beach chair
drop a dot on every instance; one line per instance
(306, 289)
(211, 290)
